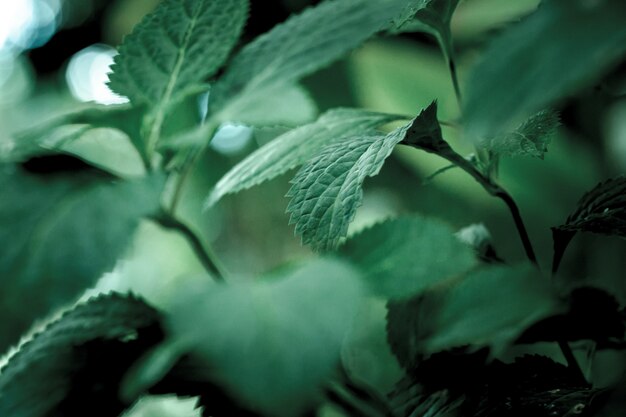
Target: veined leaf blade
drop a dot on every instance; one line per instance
(77, 342)
(327, 190)
(531, 138)
(175, 48)
(294, 148)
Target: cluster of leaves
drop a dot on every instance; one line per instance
(272, 346)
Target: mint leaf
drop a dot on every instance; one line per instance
(530, 138)
(272, 343)
(602, 210)
(537, 62)
(400, 258)
(327, 190)
(55, 134)
(425, 133)
(300, 46)
(78, 360)
(296, 147)
(62, 224)
(289, 105)
(490, 307)
(175, 48)
(429, 16)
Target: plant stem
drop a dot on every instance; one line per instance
(455, 80)
(572, 363)
(496, 191)
(204, 254)
(191, 160)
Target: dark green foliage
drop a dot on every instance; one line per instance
(64, 223)
(82, 355)
(462, 313)
(276, 328)
(601, 210)
(579, 40)
(402, 257)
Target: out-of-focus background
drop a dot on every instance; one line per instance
(54, 56)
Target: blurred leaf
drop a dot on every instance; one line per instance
(537, 62)
(593, 314)
(77, 361)
(175, 48)
(298, 47)
(402, 257)
(62, 224)
(63, 130)
(289, 105)
(491, 307)
(530, 138)
(430, 16)
(601, 210)
(296, 147)
(273, 343)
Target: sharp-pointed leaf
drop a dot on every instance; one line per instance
(530, 138)
(327, 190)
(77, 362)
(175, 48)
(62, 224)
(488, 307)
(273, 343)
(296, 147)
(537, 62)
(425, 133)
(601, 210)
(402, 257)
(300, 46)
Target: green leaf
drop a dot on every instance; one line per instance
(488, 307)
(400, 258)
(175, 48)
(272, 343)
(300, 46)
(78, 360)
(430, 16)
(296, 147)
(327, 190)
(425, 133)
(530, 138)
(289, 105)
(537, 62)
(60, 230)
(61, 131)
(602, 210)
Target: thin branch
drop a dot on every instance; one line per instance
(496, 191)
(204, 254)
(572, 363)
